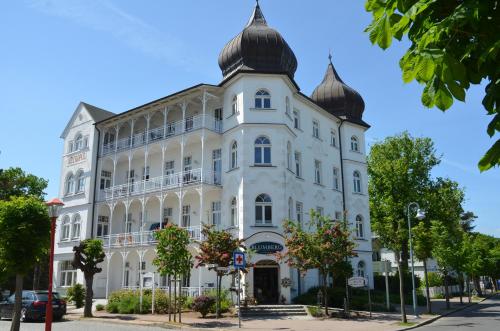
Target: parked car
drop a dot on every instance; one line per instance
(33, 306)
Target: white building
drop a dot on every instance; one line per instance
(244, 154)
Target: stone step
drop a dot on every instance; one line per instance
(274, 310)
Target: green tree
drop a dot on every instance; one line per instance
(88, 255)
(423, 251)
(217, 250)
(324, 245)
(453, 44)
(173, 256)
(399, 170)
(25, 229)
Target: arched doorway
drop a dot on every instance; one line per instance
(266, 287)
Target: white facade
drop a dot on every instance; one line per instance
(207, 155)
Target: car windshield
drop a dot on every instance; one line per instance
(45, 296)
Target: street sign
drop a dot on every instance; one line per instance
(356, 282)
(224, 269)
(239, 260)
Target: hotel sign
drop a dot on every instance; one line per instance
(77, 158)
(266, 247)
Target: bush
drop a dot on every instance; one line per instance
(379, 283)
(76, 293)
(203, 304)
(99, 307)
(435, 279)
(225, 300)
(188, 302)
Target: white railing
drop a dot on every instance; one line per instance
(185, 291)
(144, 238)
(183, 178)
(163, 132)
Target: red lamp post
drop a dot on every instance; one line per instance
(54, 207)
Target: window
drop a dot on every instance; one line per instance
(316, 129)
(234, 155)
(290, 208)
(234, 105)
(357, 181)
(102, 226)
(299, 212)
(127, 221)
(80, 181)
(262, 99)
(78, 144)
(262, 151)
(105, 179)
(359, 226)
(319, 210)
(296, 119)
(333, 138)
(234, 211)
(361, 269)
(317, 172)
(145, 173)
(216, 214)
(65, 228)
(169, 173)
(70, 184)
(298, 162)
(336, 185)
(186, 216)
(287, 105)
(68, 274)
(70, 146)
(77, 221)
(289, 156)
(354, 144)
(263, 209)
(338, 215)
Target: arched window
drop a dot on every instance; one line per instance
(296, 119)
(263, 209)
(336, 185)
(262, 150)
(234, 105)
(234, 211)
(290, 208)
(65, 228)
(333, 138)
(287, 105)
(69, 184)
(357, 181)
(78, 142)
(359, 226)
(354, 144)
(234, 155)
(361, 269)
(80, 181)
(77, 221)
(262, 99)
(289, 156)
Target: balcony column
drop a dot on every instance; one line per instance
(127, 207)
(202, 175)
(146, 155)
(117, 131)
(109, 255)
(204, 106)
(131, 142)
(201, 195)
(114, 178)
(163, 150)
(124, 260)
(143, 209)
(102, 142)
(110, 229)
(99, 176)
(148, 119)
(180, 196)
(160, 197)
(165, 113)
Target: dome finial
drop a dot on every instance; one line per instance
(330, 55)
(257, 16)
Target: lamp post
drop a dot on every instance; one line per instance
(54, 207)
(420, 216)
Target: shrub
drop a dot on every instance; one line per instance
(188, 302)
(435, 279)
(379, 283)
(99, 307)
(161, 302)
(203, 304)
(76, 293)
(225, 301)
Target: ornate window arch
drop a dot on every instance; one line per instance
(361, 268)
(69, 184)
(234, 155)
(78, 142)
(234, 105)
(234, 211)
(359, 226)
(263, 209)
(356, 177)
(262, 99)
(65, 228)
(354, 144)
(80, 181)
(262, 151)
(76, 227)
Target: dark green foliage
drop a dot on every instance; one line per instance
(203, 304)
(379, 283)
(76, 293)
(99, 307)
(15, 182)
(128, 301)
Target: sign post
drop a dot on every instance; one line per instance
(369, 296)
(239, 263)
(386, 272)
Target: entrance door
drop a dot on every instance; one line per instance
(265, 285)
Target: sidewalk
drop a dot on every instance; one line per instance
(360, 320)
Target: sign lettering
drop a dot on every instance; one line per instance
(77, 158)
(266, 247)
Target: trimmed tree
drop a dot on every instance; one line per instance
(25, 229)
(324, 245)
(88, 255)
(173, 258)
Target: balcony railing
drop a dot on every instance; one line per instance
(144, 238)
(171, 129)
(167, 182)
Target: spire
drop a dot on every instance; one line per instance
(331, 74)
(330, 55)
(257, 16)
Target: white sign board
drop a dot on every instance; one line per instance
(356, 281)
(147, 280)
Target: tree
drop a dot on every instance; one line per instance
(172, 255)
(453, 44)
(25, 229)
(324, 245)
(466, 220)
(399, 170)
(88, 255)
(217, 250)
(423, 251)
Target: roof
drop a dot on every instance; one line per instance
(98, 114)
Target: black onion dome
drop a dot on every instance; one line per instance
(259, 48)
(337, 97)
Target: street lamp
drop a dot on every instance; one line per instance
(53, 207)
(420, 216)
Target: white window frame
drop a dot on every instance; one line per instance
(298, 164)
(234, 211)
(361, 269)
(67, 274)
(356, 178)
(105, 179)
(186, 216)
(316, 129)
(65, 228)
(262, 99)
(80, 182)
(299, 212)
(234, 105)
(216, 213)
(69, 184)
(261, 145)
(359, 227)
(333, 138)
(233, 159)
(354, 144)
(336, 178)
(78, 142)
(264, 204)
(76, 226)
(102, 226)
(317, 172)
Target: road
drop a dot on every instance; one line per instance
(484, 316)
(79, 326)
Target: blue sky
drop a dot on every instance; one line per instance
(121, 54)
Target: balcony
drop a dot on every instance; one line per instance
(144, 238)
(167, 182)
(164, 132)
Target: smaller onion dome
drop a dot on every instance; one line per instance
(337, 97)
(257, 48)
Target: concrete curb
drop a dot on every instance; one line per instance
(429, 321)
